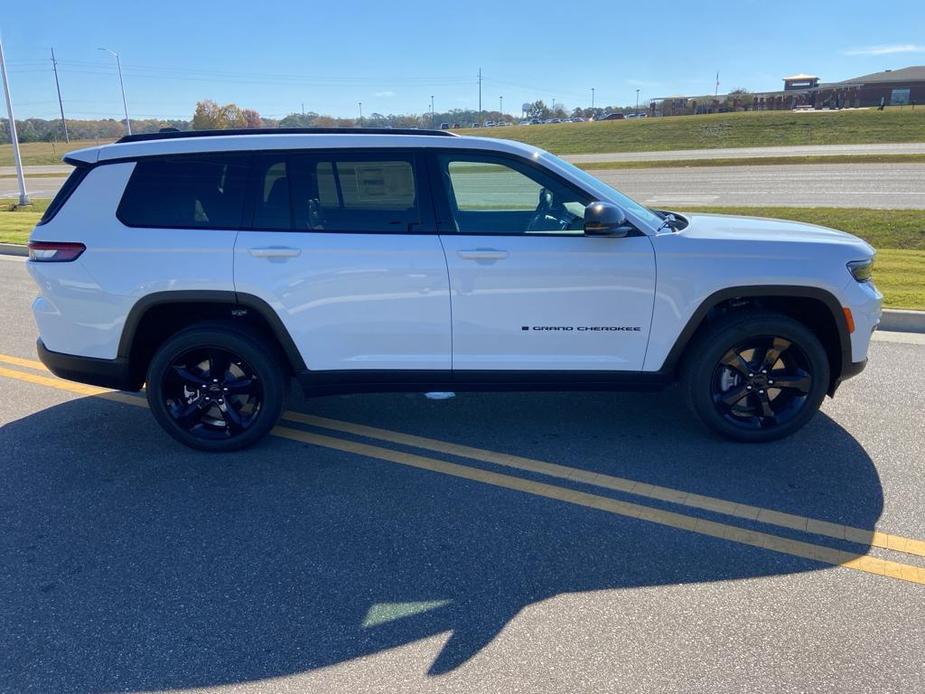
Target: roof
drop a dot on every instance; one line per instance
(802, 76)
(215, 142)
(173, 133)
(913, 73)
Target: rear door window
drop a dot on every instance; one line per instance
(369, 192)
(186, 191)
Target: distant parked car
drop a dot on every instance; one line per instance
(444, 126)
(612, 116)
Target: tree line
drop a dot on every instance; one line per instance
(210, 115)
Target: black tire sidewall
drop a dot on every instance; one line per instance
(256, 352)
(710, 347)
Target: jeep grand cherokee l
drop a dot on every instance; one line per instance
(216, 266)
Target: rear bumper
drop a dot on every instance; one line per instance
(106, 373)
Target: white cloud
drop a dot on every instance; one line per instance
(887, 49)
(386, 93)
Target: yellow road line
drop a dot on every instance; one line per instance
(875, 538)
(805, 550)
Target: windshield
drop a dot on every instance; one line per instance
(604, 191)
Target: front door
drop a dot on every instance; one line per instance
(529, 290)
(342, 245)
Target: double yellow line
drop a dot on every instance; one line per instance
(681, 521)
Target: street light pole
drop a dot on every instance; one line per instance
(23, 195)
(592, 98)
(128, 123)
(501, 106)
(637, 102)
(433, 122)
(360, 104)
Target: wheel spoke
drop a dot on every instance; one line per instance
(232, 418)
(218, 364)
(733, 395)
(242, 386)
(800, 381)
(772, 353)
(734, 360)
(188, 416)
(188, 376)
(765, 404)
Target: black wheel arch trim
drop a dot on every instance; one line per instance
(225, 297)
(758, 291)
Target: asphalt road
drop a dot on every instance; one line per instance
(749, 152)
(835, 185)
(332, 558)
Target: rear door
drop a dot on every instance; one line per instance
(529, 290)
(342, 244)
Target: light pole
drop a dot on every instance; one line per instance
(637, 102)
(592, 98)
(433, 122)
(128, 123)
(360, 104)
(501, 106)
(23, 195)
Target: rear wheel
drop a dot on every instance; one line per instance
(757, 377)
(216, 388)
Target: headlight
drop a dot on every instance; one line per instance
(862, 270)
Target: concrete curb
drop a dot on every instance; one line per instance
(892, 320)
(13, 249)
(902, 321)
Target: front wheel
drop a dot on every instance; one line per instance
(757, 377)
(216, 388)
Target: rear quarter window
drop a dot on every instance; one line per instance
(66, 190)
(204, 191)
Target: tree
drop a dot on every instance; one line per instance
(210, 116)
(738, 98)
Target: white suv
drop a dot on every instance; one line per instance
(213, 266)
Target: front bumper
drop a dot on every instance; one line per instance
(106, 373)
(849, 370)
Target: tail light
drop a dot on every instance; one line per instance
(54, 251)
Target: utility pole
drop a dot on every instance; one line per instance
(128, 123)
(433, 122)
(23, 195)
(54, 66)
(592, 98)
(360, 104)
(637, 102)
(480, 96)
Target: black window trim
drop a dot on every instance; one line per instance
(443, 210)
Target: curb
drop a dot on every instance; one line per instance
(902, 321)
(892, 320)
(13, 249)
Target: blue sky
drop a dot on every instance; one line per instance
(393, 56)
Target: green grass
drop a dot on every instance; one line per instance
(757, 161)
(899, 229)
(898, 235)
(747, 129)
(39, 153)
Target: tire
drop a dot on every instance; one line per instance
(217, 387)
(736, 390)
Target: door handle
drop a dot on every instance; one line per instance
(482, 254)
(275, 252)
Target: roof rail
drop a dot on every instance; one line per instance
(179, 134)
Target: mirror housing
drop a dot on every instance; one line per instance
(605, 219)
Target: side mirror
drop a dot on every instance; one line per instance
(604, 219)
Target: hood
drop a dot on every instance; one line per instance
(762, 229)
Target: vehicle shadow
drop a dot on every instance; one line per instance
(130, 563)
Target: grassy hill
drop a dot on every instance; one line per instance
(747, 129)
(36, 153)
